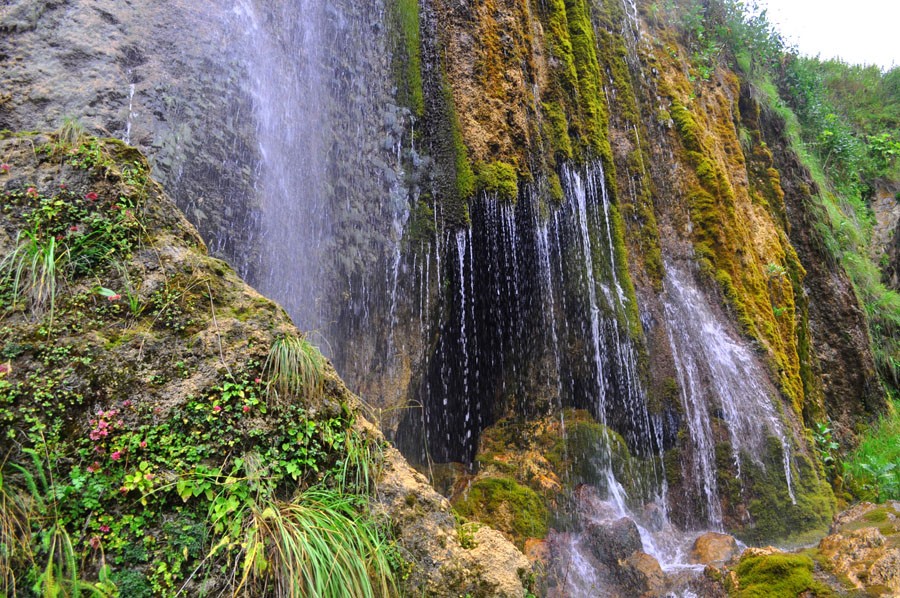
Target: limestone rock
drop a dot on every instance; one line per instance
(485, 564)
(713, 549)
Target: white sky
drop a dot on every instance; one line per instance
(857, 31)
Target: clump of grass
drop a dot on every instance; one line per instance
(15, 532)
(71, 133)
(294, 369)
(31, 271)
(315, 546)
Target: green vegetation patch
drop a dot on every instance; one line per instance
(498, 179)
(778, 575)
(506, 505)
(872, 471)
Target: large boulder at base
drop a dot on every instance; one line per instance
(484, 563)
(613, 542)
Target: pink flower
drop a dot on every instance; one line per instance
(94, 467)
(104, 528)
(31, 191)
(95, 542)
(258, 380)
(116, 455)
(143, 444)
(216, 408)
(115, 297)
(5, 167)
(4, 369)
(246, 409)
(74, 229)
(126, 403)
(149, 476)
(63, 186)
(59, 237)
(91, 196)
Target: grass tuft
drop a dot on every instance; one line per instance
(293, 369)
(315, 546)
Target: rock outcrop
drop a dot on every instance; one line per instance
(178, 326)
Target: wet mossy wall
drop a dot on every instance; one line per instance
(531, 88)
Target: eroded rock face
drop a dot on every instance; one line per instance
(864, 548)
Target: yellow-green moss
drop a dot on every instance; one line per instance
(507, 506)
(412, 94)
(724, 242)
(498, 179)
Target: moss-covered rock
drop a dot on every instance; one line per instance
(507, 506)
(778, 575)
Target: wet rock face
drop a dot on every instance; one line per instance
(613, 542)
(157, 75)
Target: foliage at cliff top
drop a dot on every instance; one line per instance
(163, 428)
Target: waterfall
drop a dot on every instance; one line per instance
(331, 205)
(718, 376)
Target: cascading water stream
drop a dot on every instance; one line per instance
(287, 70)
(331, 205)
(717, 374)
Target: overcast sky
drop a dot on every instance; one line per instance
(858, 31)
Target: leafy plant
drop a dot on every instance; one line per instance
(294, 369)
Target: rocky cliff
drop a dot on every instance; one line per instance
(553, 245)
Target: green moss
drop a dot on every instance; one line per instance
(687, 128)
(778, 576)
(507, 506)
(465, 177)
(557, 128)
(632, 313)
(421, 224)
(407, 14)
(556, 190)
(498, 179)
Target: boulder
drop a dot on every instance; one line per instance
(641, 575)
(613, 542)
(713, 549)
